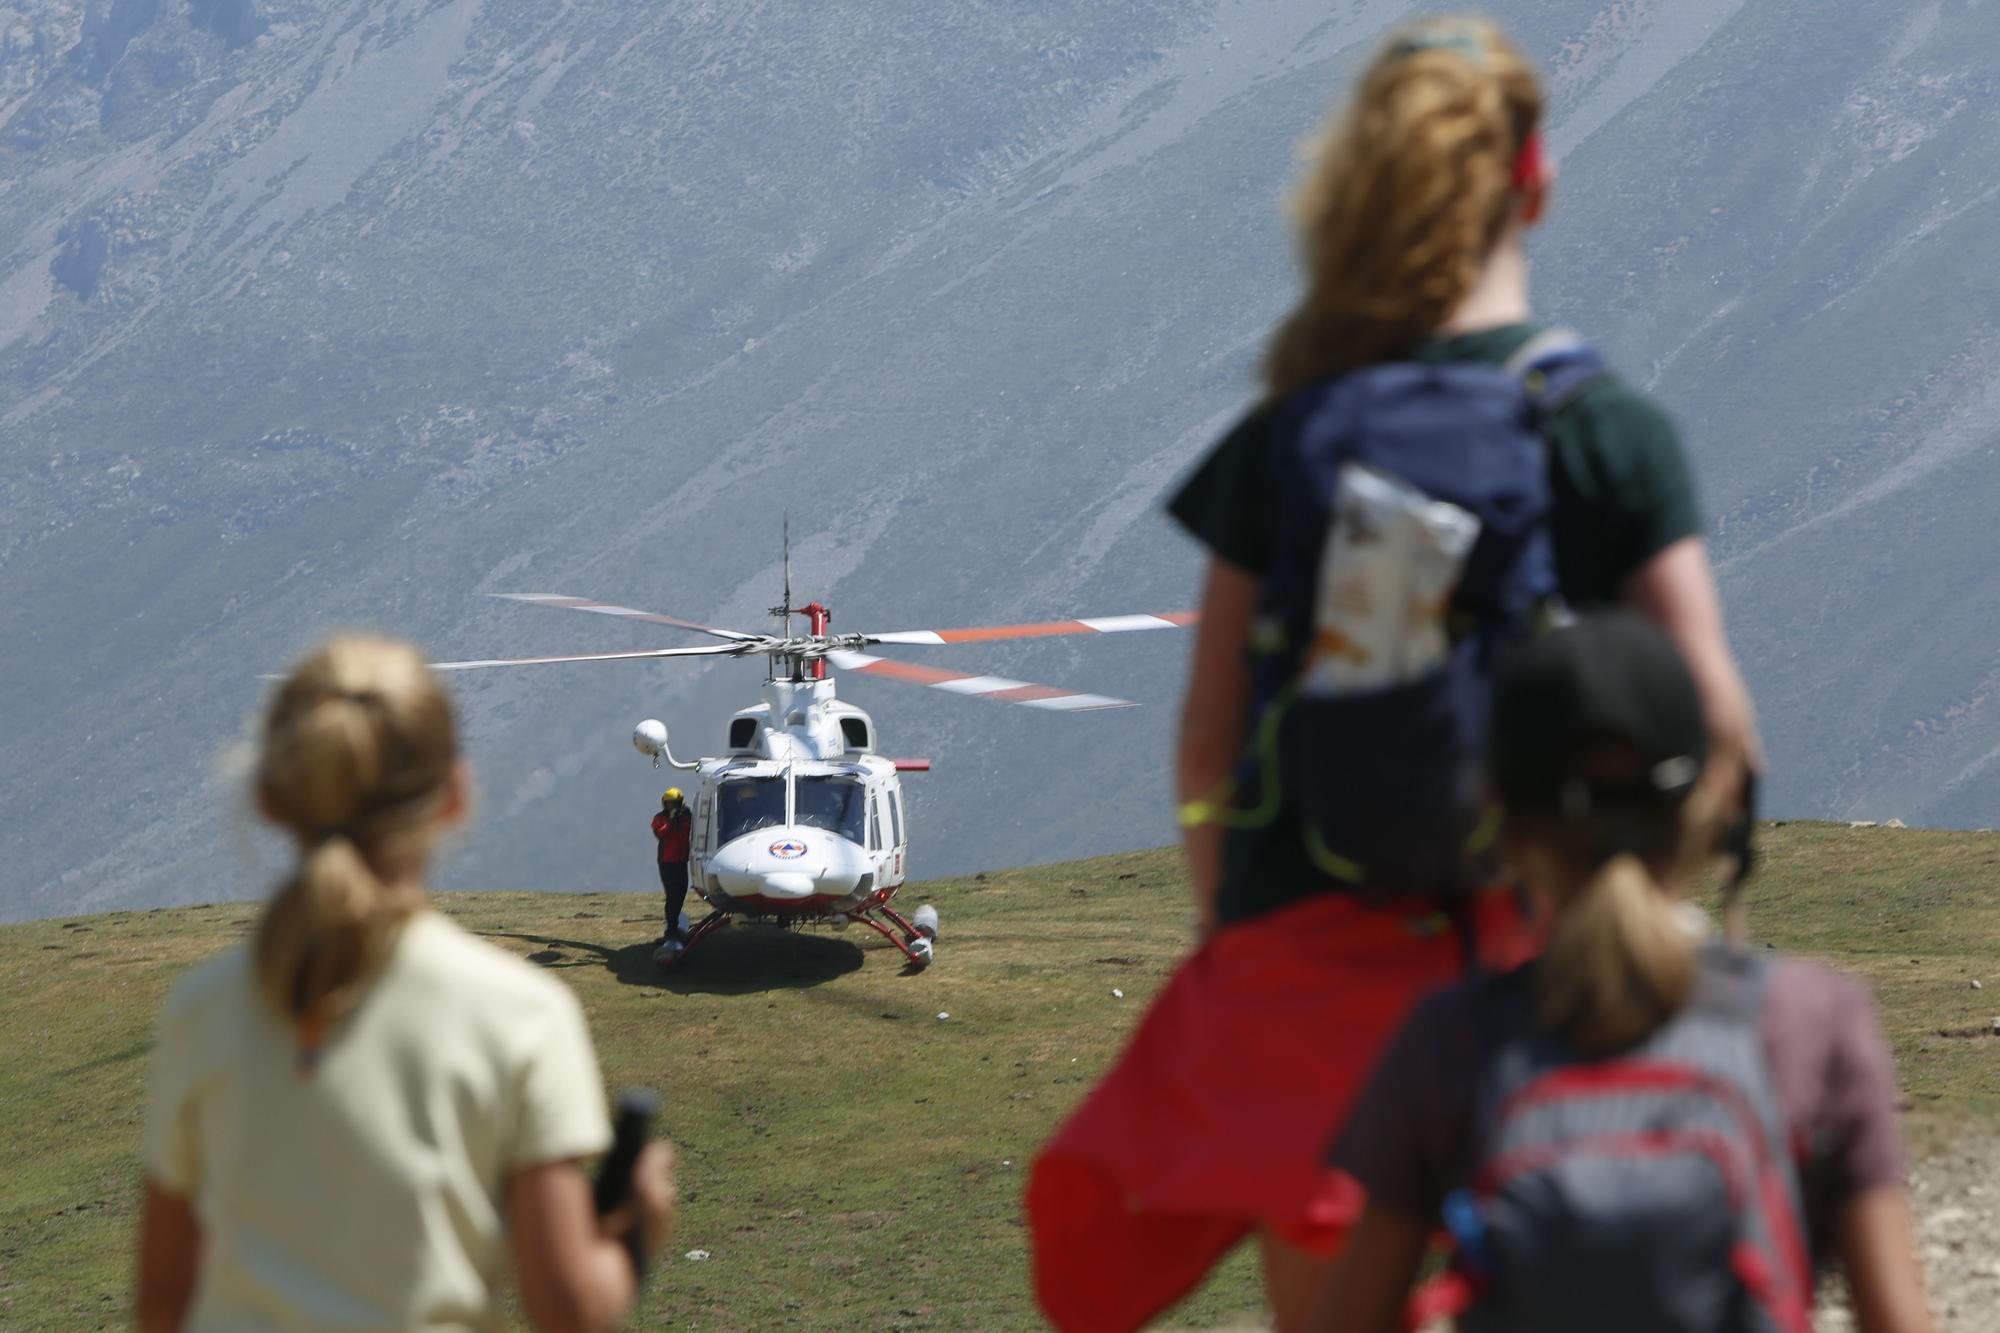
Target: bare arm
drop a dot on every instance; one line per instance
(1879, 1255)
(573, 1269)
(1371, 1282)
(169, 1261)
(1214, 717)
(1676, 591)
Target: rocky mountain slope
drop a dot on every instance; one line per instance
(331, 312)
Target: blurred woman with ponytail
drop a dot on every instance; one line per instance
(356, 1115)
(1596, 753)
(1413, 225)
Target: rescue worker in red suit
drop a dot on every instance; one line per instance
(670, 830)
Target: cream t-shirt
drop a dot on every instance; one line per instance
(367, 1193)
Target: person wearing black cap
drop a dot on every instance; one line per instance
(1596, 751)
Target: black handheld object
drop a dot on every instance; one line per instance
(1740, 841)
(632, 1125)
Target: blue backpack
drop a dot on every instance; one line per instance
(1416, 494)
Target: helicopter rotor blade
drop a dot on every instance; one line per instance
(702, 650)
(625, 612)
(988, 633)
(984, 687)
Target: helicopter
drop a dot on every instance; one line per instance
(800, 820)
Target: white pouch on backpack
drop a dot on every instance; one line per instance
(1386, 576)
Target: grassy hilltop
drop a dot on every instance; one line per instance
(849, 1158)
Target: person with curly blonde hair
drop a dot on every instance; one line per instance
(361, 1113)
(1212, 1127)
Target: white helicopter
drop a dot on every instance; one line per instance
(801, 820)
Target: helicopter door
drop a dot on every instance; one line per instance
(704, 811)
(895, 798)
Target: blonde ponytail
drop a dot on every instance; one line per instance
(1620, 962)
(328, 927)
(1411, 187)
(357, 755)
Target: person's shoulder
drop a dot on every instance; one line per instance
(1611, 409)
(222, 981)
(1233, 451)
(1814, 1016)
(1804, 988)
(488, 978)
(1224, 500)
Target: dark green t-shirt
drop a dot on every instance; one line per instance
(1620, 489)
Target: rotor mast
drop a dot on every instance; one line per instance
(788, 663)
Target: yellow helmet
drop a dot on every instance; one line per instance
(671, 795)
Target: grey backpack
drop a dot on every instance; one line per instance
(1649, 1192)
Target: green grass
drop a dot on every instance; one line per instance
(848, 1159)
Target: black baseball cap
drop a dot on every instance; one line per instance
(1600, 714)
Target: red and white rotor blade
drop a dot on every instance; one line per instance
(704, 650)
(569, 603)
(987, 633)
(983, 687)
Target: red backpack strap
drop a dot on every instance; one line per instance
(1446, 1296)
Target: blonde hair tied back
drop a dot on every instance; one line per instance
(1621, 958)
(355, 759)
(1411, 187)
(1620, 962)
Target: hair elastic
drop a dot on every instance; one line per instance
(1528, 162)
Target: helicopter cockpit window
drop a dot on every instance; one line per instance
(837, 805)
(748, 804)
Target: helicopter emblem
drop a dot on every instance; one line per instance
(788, 849)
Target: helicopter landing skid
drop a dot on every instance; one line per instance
(915, 945)
(914, 941)
(667, 956)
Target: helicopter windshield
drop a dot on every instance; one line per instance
(748, 804)
(838, 805)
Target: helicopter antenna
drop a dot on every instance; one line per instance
(782, 664)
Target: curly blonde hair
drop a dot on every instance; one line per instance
(1411, 187)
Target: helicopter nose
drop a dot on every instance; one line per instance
(788, 865)
(786, 884)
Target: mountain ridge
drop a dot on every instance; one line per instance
(400, 301)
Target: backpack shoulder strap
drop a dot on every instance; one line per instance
(1555, 367)
(1544, 346)
(1731, 982)
(1505, 1009)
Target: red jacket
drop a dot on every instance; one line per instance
(672, 832)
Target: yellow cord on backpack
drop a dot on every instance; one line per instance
(1217, 806)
